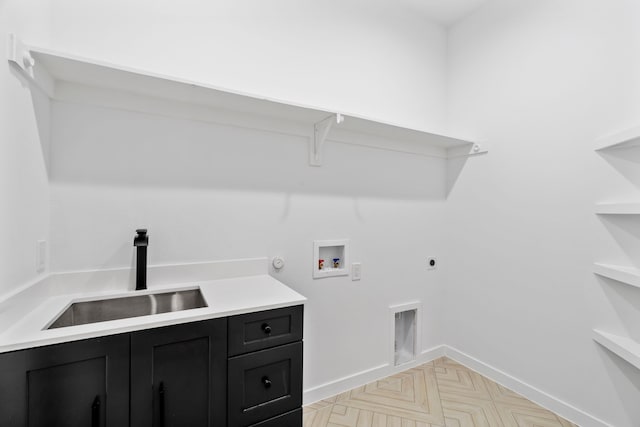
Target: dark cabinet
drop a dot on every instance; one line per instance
(290, 419)
(265, 368)
(238, 371)
(77, 384)
(178, 375)
(265, 384)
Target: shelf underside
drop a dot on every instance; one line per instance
(624, 347)
(627, 275)
(626, 139)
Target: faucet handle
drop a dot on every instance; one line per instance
(142, 238)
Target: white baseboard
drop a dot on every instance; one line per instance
(543, 399)
(358, 379)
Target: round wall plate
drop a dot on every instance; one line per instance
(278, 262)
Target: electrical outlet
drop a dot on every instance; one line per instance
(41, 255)
(432, 263)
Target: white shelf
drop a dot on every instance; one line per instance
(624, 347)
(626, 275)
(618, 209)
(625, 139)
(53, 71)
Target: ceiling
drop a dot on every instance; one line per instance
(445, 12)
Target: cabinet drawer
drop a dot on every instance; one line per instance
(291, 419)
(264, 329)
(264, 384)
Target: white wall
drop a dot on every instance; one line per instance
(540, 81)
(375, 59)
(208, 191)
(24, 197)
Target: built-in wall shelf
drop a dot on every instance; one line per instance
(618, 209)
(54, 72)
(622, 274)
(625, 139)
(624, 347)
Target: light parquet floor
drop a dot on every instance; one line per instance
(441, 393)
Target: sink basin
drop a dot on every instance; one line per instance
(80, 313)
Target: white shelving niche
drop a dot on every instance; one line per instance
(622, 346)
(71, 78)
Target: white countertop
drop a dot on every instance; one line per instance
(224, 297)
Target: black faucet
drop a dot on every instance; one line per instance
(141, 241)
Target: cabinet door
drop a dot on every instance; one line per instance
(77, 384)
(178, 375)
(264, 384)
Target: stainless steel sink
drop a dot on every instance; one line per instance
(80, 313)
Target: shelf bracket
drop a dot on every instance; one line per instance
(19, 54)
(20, 57)
(468, 150)
(320, 132)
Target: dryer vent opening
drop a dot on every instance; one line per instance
(404, 344)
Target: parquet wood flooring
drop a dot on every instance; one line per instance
(441, 393)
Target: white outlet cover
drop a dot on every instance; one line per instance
(356, 271)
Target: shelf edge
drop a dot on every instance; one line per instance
(49, 70)
(623, 347)
(617, 209)
(627, 138)
(206, 86)
(618, 273)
